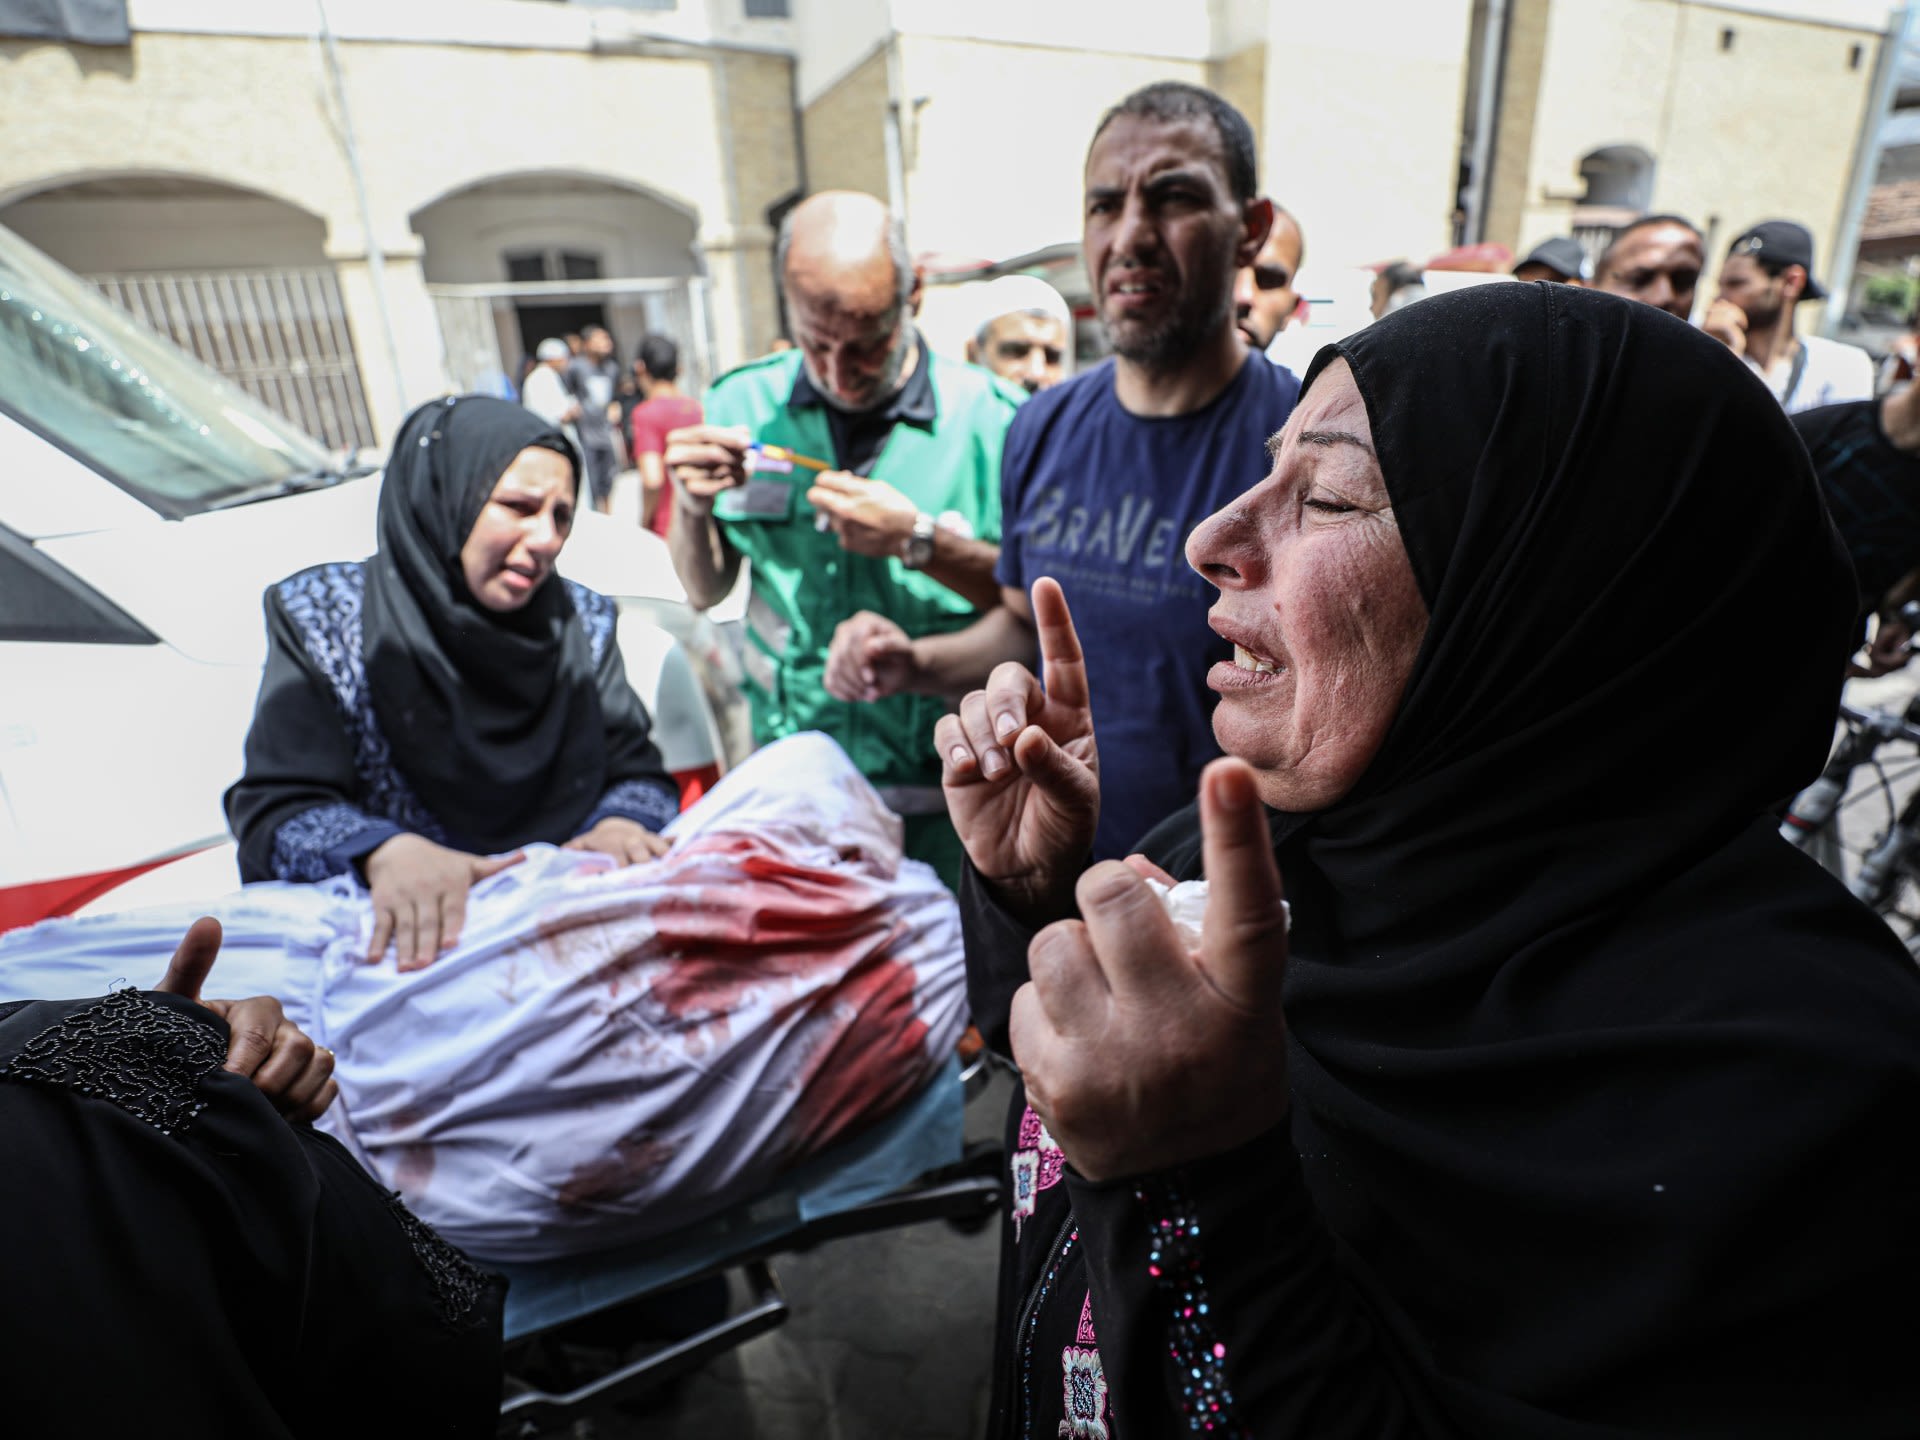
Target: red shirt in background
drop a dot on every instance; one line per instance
(652, 420)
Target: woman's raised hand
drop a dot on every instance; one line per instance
(1139, 1053)
(420, 896)
(262, 1044)
(1020, 769)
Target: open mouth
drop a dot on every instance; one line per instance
(1135, 286)
(1245, 659)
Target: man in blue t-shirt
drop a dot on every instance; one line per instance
(1104, 477)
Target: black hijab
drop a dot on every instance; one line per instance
(494, 718)
(1606, 1093)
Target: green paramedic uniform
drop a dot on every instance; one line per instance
(804, 584)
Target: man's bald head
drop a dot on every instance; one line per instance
(850, 289)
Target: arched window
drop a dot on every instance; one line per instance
(1619, 177)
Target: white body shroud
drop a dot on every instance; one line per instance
(607, 1053)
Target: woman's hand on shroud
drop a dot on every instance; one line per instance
(1138, 1053)
(420, 896)
(1020, 769)
(627, 841)
(262, 1044)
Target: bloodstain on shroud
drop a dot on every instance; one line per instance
(825, 938)
(615, 1175)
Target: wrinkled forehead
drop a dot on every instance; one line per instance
(1659, 246)
(1024, 325)
(1136, 148)
(851, 289)
(536, 471)
(1331, 401)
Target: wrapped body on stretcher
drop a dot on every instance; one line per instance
(607, 1053)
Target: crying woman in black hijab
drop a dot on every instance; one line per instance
(1575, 1103)
(426, 712)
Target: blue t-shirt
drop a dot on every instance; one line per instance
(1103, 501)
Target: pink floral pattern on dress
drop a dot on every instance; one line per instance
(1034, 1136)
(1037, 1164)
(1085, 1335)
(1086, 1395)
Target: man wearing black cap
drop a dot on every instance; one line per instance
(1560, 260)
(1768, 271)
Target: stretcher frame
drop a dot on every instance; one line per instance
(967, 1193)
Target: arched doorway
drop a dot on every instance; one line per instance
(518, 259)
(238, 279)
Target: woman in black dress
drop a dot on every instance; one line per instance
(1576, 1103)
(450, 698)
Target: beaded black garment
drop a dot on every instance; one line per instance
(129, 1050)
(459, 1284)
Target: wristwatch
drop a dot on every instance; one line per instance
(918, 549)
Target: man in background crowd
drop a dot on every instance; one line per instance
(1396, 286)
(664, 407)
(1266, 293)
(594, 376)
(1106, 474)
(1767, 273)
(1656, 260)
(1026, 337)
(903, 522)
(1867, 455)
(1560, 260)
(545, 392)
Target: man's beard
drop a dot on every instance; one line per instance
(1173, 343)
(1763, 314)
(886, 385)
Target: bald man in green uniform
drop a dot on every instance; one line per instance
(905, 521)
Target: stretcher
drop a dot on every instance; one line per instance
(910, 1168)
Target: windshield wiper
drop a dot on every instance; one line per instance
(320, 477)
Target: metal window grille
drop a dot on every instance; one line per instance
(281, 335)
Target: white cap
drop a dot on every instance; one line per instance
(552, 350)
(1012, 293)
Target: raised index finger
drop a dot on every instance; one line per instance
(1243, 941)
(1063, 668)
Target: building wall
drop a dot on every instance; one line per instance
(1242, 79)
(844, 130)
(1363, 123)
(1737, 155)
(1519, 99)
(431, 119)
(996, 153)
(832, 37)
(756, 118)
(1764, 128)
(1179, 30)
(108, 235)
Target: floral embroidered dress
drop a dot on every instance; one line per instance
(321, 790)
(1076, 1330)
